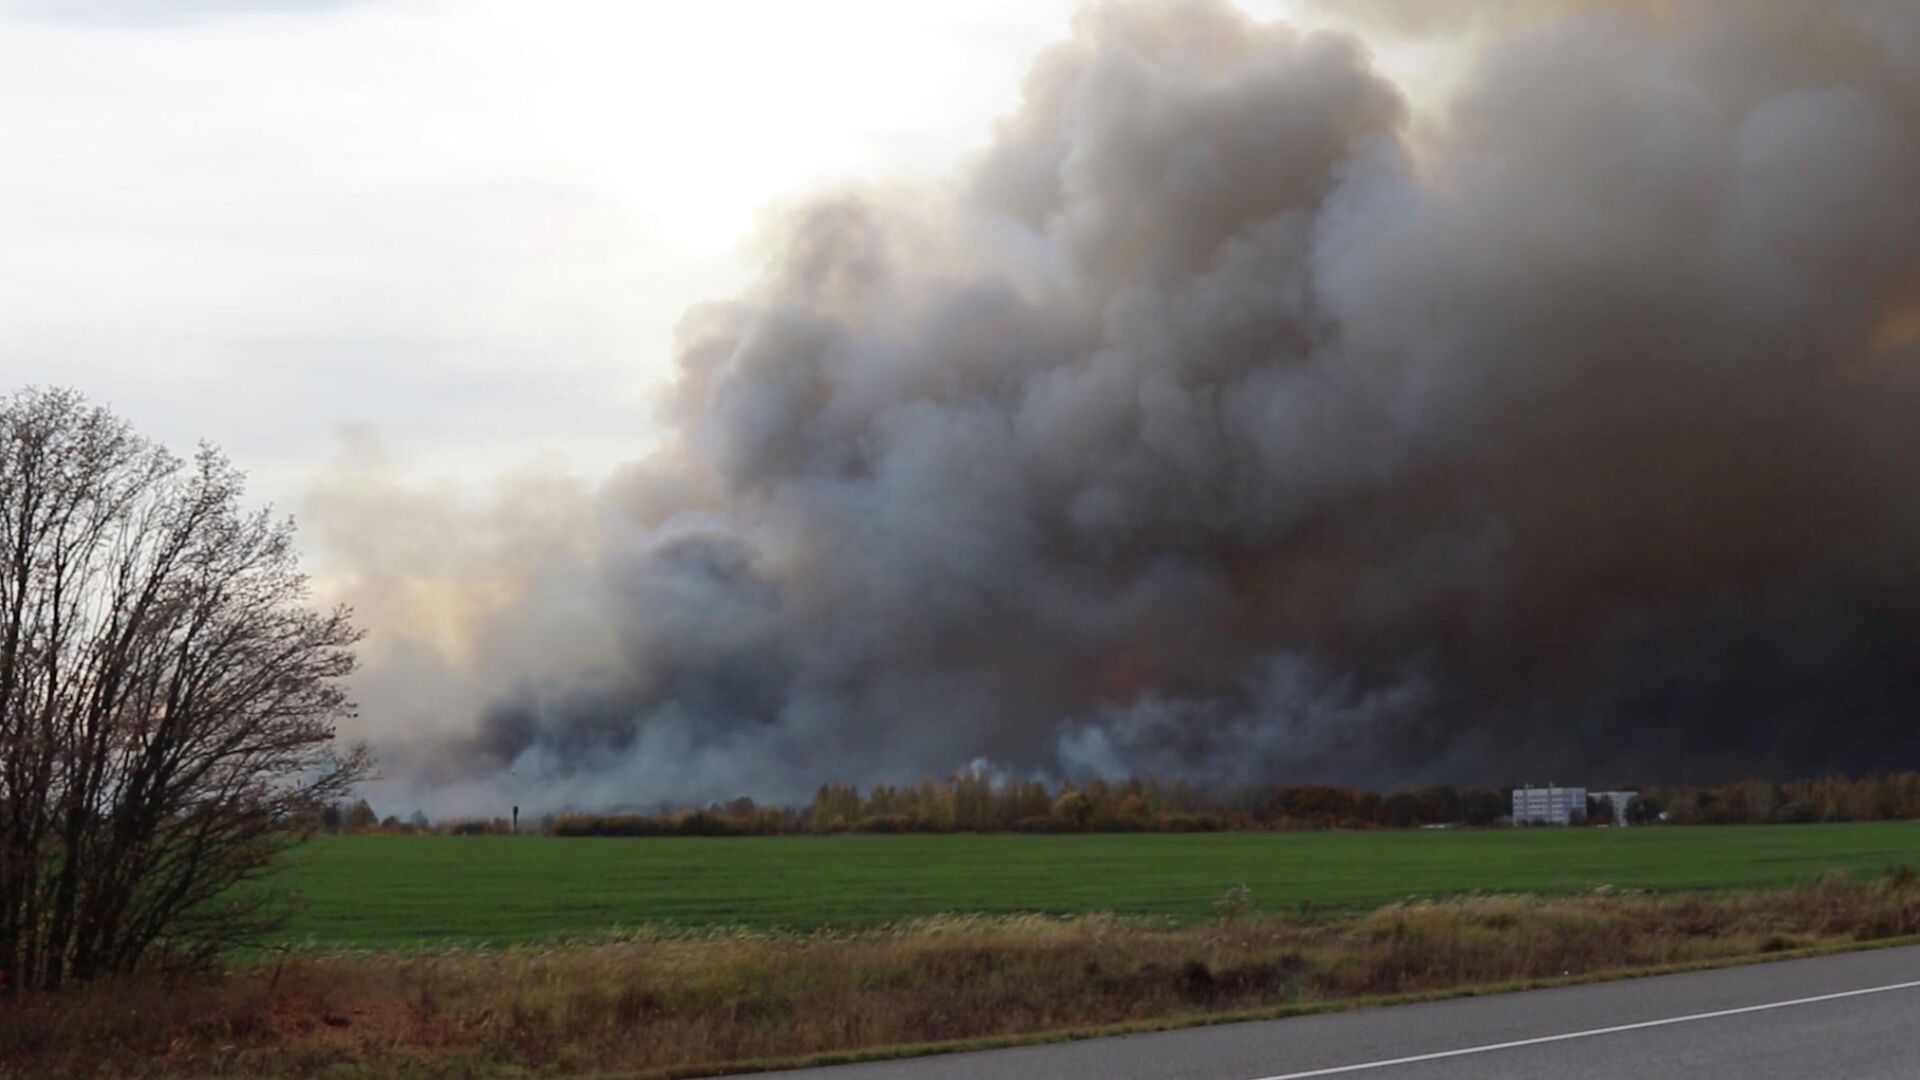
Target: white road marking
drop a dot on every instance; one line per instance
(1491, 1047)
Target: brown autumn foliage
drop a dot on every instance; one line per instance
(969, 802)
(695, 1003)
(972, 803)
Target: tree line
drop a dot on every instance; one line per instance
(972, 803)
(969, 802)
(1888, 797)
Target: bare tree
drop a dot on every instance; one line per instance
(167, 700)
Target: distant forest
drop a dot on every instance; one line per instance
(971, 803)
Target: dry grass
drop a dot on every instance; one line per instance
(664, 1001)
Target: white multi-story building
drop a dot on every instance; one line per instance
(1549, 805)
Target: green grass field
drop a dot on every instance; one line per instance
(409, 891)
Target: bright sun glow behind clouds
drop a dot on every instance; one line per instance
(711, 110)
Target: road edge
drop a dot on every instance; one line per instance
(1184, 1021)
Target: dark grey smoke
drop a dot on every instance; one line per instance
(1220, 425)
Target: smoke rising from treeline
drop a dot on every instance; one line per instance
(1217, 424)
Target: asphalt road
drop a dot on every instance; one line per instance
(1779, 1021)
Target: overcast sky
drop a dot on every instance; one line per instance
(468, 226)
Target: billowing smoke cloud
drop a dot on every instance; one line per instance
(1216, 424)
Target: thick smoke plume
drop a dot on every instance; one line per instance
(1222, 422)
